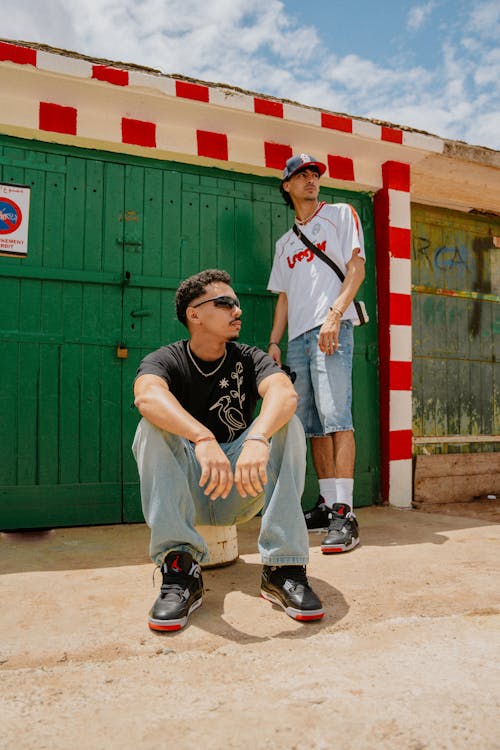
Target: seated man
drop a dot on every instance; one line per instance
(204, 459)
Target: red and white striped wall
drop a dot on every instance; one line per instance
(393, 242)
(73, 100)
(61, 97)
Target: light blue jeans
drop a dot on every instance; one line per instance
(323, 382)
(173, 503)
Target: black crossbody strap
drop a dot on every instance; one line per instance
(324, 257)
(329, 262)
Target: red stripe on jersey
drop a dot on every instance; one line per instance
(356, 217)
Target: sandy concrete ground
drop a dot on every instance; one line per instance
(406, 657)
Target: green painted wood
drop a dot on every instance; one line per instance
(63, 465)
(110, 238)
(61, 505)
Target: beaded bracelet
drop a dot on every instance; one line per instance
(336, 310)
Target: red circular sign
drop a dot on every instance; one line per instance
(10, 216)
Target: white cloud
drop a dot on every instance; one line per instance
(485, 19)
(418, 15)
(257, 46)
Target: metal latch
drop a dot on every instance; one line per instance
(141, 313)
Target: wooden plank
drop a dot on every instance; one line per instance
(113, 230)
(153, 247)
(71, 366)
(226, 240)
(171, 224)
(456, 477)
(48, 415)
(190, 234)
(250, 262)
(457, 464)
(449, 439)
(8, 411)
(93, 212)
(209, 252)
(28, 404)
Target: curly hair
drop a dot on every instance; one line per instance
(194, 287)
(286, 196)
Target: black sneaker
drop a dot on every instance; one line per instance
(181, 592)
(343, 531)
(318, 518)
(288, 587)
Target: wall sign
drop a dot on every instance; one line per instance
(14, 219)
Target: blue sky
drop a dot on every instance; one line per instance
(429, 64)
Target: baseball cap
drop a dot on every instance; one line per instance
(301, 161)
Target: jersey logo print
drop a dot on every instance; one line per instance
(305, 254)
(228, 414)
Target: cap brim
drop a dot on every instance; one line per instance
(318, 164)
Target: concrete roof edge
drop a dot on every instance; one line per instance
(454, 149)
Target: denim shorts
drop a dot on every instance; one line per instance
(324, 382)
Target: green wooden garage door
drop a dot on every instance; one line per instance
(110, 238)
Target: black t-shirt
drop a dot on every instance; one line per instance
(223, 401)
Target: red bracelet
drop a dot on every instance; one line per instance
(202, 439)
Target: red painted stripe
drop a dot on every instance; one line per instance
(355, 216)
(396, 176)
(400, 445)
(56, 118)
(276, 155)
(400, 376)
(110, 75)
(400, 309)
(341, 167)
(267, 107)
(336, 122)
(213, 145)
(16, 54)
(138, 132)
(392, 134)
(195, 91)
(399, 242)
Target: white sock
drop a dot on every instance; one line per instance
(327, 490)
(344, 489)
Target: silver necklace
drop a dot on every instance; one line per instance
(308, 218)
(206, 374)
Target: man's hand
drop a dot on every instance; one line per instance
(216, 474)
(250, 474)
(274, 352)
(328, 340)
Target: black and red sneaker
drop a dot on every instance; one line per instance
(343, 530)
(288, 587)
(181, 592)
(318, 518)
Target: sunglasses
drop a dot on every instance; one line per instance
(224, 301)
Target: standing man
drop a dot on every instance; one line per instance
(318, 309)
(204, 459)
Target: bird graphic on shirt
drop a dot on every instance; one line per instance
(231, 417)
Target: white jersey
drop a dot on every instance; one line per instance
(309, 284)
